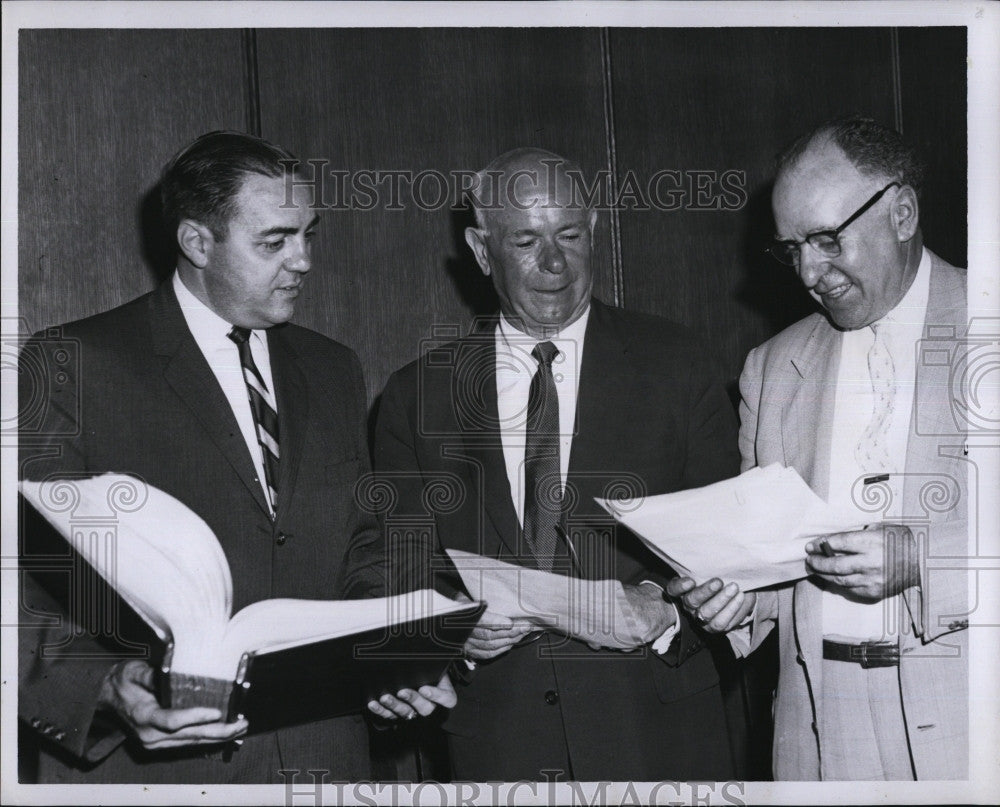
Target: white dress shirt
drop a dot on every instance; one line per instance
(515, 367)
(901, 328)
(210, 332)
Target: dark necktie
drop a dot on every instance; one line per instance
(264, 415)
(542, 482)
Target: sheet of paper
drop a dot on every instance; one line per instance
(751, 529)
(594, 611)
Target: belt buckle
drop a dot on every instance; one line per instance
(878, 654)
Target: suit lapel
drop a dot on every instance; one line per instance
(187, 372)
(807, 431)
(806, 428)
(479, 423)
(292, 400)
(606, 384)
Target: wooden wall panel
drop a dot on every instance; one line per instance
(101, 111)
(934, 98)
(418, 99)
(719, 99)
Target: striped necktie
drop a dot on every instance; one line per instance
(265, 415)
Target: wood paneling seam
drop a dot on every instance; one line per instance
(612, 158)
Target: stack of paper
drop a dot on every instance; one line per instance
(751, 529)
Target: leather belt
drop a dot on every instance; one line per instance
(867, 654)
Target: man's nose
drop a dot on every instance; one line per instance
(553, 259)
(811, 266)
(301, 259)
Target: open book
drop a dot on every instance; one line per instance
(165, 562)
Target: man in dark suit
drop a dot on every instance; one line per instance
(202, 389)
(632, 407)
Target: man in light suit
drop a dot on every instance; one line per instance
(160, 388)
(635, 409)
(873, 680)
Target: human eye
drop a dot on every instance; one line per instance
(570, 235)
(825, 242)
(274, 245)
(524, 243)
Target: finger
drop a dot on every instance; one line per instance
(679, 585)
(173, 720)
(194, 735)
(495, 621)
(398, 707)
(497, 637)
(839, 565)
(489, 634)
(377, 708)
(724, 619)
(445, 697)
(491, 648)
(423, 706)
(139, 672)
(710, 608)
(701, 594)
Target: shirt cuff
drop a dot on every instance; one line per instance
(662, 643)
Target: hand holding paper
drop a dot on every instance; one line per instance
(597, 612)
(751, 530)
(717, 606)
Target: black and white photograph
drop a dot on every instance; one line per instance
(500, 403)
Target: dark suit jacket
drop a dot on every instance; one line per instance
(130, 391)
(651, 418)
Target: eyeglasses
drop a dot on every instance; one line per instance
(826, 242)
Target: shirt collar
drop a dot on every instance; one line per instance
(574, 332)
(912, 309)
(208, 328)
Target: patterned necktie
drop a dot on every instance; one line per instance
(265, 415)
(872, 450)
(542, 482)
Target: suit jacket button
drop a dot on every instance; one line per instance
(35, 722)
(552, 697)
(280, 540)
(48, 730)
(59, 736)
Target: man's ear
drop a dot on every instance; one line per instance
(905, 213)
(476, 239)
(196, 242)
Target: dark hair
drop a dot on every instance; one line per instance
(874, 149)
(202, 180)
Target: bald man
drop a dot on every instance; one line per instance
(874, 675)
(631, 403)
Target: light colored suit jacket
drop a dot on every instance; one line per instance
(786, 416)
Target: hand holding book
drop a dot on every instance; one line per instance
(130, 692)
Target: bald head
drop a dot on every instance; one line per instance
(534, 239)
(522, 178)
(866, 214)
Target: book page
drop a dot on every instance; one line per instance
(272, 625)
(161, 557)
